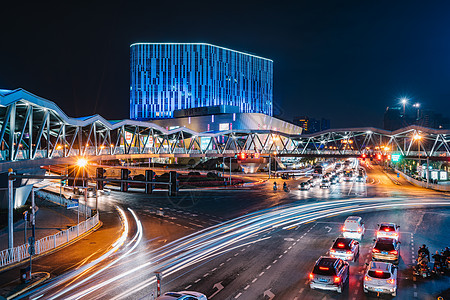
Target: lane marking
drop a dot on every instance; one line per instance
(238, 295)
(213, 270)
(261, 274)
(253, 281)
(268, 267)
(197, 280)
(301, 290)
(186, 288)
(275, 261)
(247, 287)
(229, 259)
(221, 264)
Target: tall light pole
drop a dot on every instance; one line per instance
(404, 101)
(417, 105)
(417, 138)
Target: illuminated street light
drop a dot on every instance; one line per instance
(404, 100)
(417, 137)
(82, 162)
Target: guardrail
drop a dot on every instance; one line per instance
(19, 253)
(437, 187)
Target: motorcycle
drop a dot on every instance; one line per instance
(274, 187)
(286, 189)
(422, 270)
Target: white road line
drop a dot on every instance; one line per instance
(285, 252)
(268, 267)
(301, 290)
(206, 275)
(275, 261)
(290, 248)
(253, 281)
(186, 288)
(197, 280)
(221, 264)
(213, 270)
(247, 287)
(236, 254)
(229, 259)
(238, 295)
(261, 274)
(280, 256)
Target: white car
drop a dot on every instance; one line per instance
(388, 230)
(184, 295)
(325, 184)
(353, 228)
(381, 277)
(345, 248)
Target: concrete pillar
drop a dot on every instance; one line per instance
(124, 176)
(149, 176)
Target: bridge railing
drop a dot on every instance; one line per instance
(19, 253)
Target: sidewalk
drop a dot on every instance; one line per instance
(50, 219)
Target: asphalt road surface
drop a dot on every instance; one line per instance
(252, 243)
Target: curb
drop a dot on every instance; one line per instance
(99, 224)
(47, 276)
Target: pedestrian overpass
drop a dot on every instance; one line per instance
(35, 131)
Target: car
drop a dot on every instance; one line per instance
(184, 295)
(329, 273)
(345, 248)
(304, 186)
(381, 277)
(386, 249)
(325, 183)
(312, 182)
(361, 178)
(353, 228)
(389, 230)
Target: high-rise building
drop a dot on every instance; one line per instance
(312, 125)
(172, 76)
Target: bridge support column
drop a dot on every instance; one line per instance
(124, 176)
(173, 179)
(149, 175)
(100, 174)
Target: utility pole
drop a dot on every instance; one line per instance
(270, 163)
(230, 170)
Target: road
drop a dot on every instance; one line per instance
(255, 243)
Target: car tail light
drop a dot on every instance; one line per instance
(311, 276)
(393, 252)
(324, 268)
(386, 229)
(391, 281)
(359, 229)
(349, 252)
(367, 278)
(337, 279)
(395, 234)
(375, 250)
(340, 245)
(379, 272)
(332, 251)
(343, 228)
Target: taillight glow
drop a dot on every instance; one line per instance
(395, 234)
(379, 272)
(349, 252)
(375, 250)
(332, 251)
(311, 276)
(343, 228)
(337, 279)
(391, 281)
(340, 245)
(386, 229)
(359, 229)
(324, 268)
(367, 278)
(393, 252)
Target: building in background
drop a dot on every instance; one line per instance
(312, 125)
(395, 119)
(177, 76)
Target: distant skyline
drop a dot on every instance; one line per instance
(343, 61)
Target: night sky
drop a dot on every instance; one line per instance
(342, 60)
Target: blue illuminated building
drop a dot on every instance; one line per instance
(172, 76)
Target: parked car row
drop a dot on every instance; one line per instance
(332, 272)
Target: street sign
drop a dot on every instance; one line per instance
(72, 205)
(396, 157)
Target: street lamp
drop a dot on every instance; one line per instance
(417, 138)
(417, 105)
(404, 100)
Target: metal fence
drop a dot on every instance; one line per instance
(19, 253)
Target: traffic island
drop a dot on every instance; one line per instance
(18, 287)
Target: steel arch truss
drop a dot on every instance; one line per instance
(32, 127)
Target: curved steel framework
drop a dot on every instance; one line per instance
(33, 128)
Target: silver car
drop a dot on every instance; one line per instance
(381, 277)
(184, 295)
(345, 248)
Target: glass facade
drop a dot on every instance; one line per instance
(166, 77)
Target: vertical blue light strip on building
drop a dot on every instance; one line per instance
(166, 77)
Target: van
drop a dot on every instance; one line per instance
(353, 228)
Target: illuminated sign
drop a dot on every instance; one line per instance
(396, 157)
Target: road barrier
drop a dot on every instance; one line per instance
(19, 253)
(437, 187)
